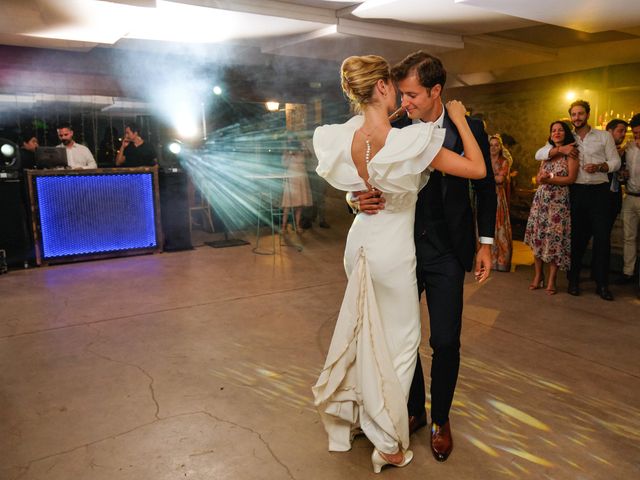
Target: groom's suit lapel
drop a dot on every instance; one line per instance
(451, 137)
(453, 142)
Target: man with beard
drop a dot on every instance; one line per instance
(589, 198)
(78, 156)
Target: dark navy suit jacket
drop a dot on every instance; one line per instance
(454, 229)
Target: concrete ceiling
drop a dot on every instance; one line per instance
(480, 41)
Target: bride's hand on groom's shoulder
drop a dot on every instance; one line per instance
(456, 110)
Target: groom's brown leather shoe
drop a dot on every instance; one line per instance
(441, 441)
(416, 422)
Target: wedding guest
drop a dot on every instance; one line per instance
(296, 190)
(502, 247)
(548, 230)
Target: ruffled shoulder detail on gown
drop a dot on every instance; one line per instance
(407, 153)
(332, 146)
(400, 166)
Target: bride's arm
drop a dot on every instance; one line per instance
(472, 165)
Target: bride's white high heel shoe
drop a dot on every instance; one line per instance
(379, 461)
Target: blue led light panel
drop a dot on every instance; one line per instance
(85, 214)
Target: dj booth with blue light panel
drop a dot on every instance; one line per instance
(86, 214)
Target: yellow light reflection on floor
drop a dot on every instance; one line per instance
(519, 415)
(482, 446)
(600, 459)
(527, 456)
(547, 426)
(555, 386)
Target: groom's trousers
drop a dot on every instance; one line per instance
(441, 277)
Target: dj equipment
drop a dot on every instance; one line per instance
(174, 209)
(107, 213)
(15, 238)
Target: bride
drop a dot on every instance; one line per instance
(369, 367)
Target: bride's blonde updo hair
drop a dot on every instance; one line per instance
(359, 75)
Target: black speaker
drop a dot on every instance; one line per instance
(15, 236)
(174, 207)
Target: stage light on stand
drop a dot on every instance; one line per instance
(217, 90)
(7, 151)
(175, 148)
(9, 159)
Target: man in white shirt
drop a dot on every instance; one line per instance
(631, 202)
(78, 156)
(589, 198)
(618, 130)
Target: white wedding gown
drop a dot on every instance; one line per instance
(369, 367)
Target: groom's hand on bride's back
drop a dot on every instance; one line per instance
(368, 201)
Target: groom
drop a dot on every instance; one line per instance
(445, 243)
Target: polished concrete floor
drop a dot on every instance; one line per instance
(198, 364)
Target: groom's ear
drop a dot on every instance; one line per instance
(436, 90)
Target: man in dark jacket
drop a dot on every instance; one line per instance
(445, 236)
(28, 146)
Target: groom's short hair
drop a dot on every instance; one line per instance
(428, 68)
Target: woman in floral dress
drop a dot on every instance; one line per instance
(501, 249)
(548, 231)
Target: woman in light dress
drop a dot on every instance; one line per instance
(296, 192)
(369, 367)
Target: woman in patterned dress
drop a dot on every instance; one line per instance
(548, 231)
(502, 243)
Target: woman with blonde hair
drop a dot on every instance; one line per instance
(502, 246)
(372, 356)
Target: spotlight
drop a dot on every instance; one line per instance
(217, 90)
(272, 106)
(9, 159)
(7, 150)
(185, 120)
(175, 148)
(187, 129)
(570, 96)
